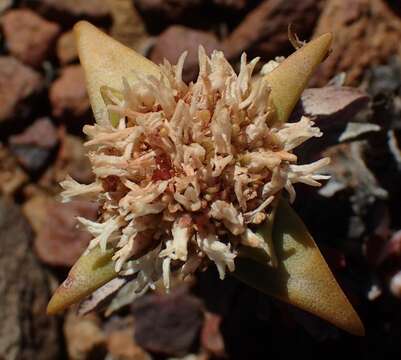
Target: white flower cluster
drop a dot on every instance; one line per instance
(189, 170)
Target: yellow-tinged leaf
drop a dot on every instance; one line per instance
(291, 77)
(302, 277)
(106, 62)
(90, 272)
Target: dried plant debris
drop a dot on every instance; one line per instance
(355, 130)
(99, 296)
(348, 170)
(176, 174)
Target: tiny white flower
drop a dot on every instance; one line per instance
(188, 169)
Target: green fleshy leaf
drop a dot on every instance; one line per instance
(302, 277)
(291, 77)
(90, 272)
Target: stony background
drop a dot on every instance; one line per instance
(43, 106)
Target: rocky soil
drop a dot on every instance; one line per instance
(355, 217)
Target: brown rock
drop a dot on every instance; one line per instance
(4, 5)
(17, 83)
(66, 48)
(167, 324)
(35, 210)
(128, 26)
(232, 4)
(331, 105)
(73, 160)
(366, 32)
(391, 249)
(120, 341)
(69, 11)
(264, 31)
(177, 39)
(59, 242)
(121, 346)
(168, 10)
(211, 337)
(68, 95)
(41, 133)
(26, 331)
(29, 37)
(12, 177)
(84, 337)
(33, 148)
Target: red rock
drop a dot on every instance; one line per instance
(68, 95)
(59, 242)
(17, 83)
(177, 39)
(66, 48)
(34, 146)
(211, 337)
(29, 37)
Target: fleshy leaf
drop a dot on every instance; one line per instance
(106, 62)
(90, 272)
(302, 277)
(104, 91)
(291, 77)
(266, 231)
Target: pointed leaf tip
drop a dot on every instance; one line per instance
(291, 77)
(90, 272)
(106, 62)
(302, 277)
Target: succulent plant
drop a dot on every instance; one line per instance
(193, 174)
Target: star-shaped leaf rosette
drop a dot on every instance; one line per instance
(200, 174)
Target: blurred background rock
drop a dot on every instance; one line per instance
(43, 106)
